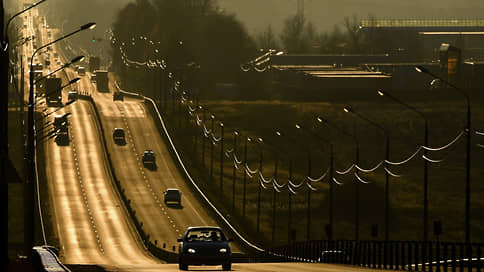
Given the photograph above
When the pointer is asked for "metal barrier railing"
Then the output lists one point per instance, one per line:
(397, 255)
(45, 259)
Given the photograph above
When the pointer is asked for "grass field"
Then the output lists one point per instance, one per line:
(446, 117)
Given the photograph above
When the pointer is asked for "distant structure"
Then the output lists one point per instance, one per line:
(421, 39)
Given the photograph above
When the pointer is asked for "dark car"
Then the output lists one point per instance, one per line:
(72, 95)
(204, 246)
(172, 195)
(119, 136)
(148, 158)
(117, 95)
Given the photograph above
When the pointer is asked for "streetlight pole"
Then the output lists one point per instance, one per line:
(331, 176)
(203, 138)
(426, 136)
(29, 186)
(289, 204)
(4, 66)
(348, 109)
(422, 69)
(234, 173)
(289, 195)
(259, 189)
(221, 161)
(245, 179)
(212, 117)
(357, 184)
(274, 200)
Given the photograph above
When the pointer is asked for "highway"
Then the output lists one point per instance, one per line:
(91, 221)
(145, 187)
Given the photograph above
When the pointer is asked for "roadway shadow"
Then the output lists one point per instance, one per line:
(151, 167)
(174, 206)
(62, 141)
(209, 268)
(120, 142)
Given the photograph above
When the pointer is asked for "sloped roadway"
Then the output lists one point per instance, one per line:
(91, 222)
(145, 186)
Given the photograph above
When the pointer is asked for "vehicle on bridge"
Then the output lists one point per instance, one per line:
(117, 95)
(61, 127)
(81, 71)
(204, 246)
(93, 77)
(94, 64)
(72, 95)
(119, 136)
(148, 158)
(172, 196)
(60, 120)
(53, 91)
(102, 81)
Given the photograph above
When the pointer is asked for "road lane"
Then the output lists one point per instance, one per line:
(145, 187)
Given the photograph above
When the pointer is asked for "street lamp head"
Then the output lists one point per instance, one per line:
(381, 92)
(88, 26)
(421, 69)
(77, 59)
(260, 139)
(278, 133)
(212, 116)
(321, 119)
(348, 109)
(236, 132)
(298, 126)
(221, 124)
(75, 80)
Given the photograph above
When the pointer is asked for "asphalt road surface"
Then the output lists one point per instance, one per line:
(145, 187)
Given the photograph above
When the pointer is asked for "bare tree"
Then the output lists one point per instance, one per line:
(352, 27)
(292, 36)
(267, 39)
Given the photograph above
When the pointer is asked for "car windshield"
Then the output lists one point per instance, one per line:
(172, 192)
(205, 235)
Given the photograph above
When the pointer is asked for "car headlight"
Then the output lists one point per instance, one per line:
(223, 250)
(191, 250)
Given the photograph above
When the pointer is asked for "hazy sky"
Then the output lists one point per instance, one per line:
(256, 14)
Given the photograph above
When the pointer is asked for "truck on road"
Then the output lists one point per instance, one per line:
(102, 81)
(53, 91)
(94, 64)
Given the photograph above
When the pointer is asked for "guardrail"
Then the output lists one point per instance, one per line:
(45, 259)
(397, 255)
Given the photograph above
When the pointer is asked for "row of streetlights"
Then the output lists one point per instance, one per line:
(4, 73)
(386, 164)
(359, 115)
